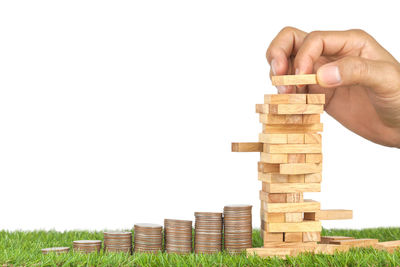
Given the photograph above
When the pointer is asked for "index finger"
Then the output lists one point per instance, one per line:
(284, 45)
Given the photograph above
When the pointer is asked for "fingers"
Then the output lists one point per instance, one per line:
(379, 76)
(329, 43)
(285, 44)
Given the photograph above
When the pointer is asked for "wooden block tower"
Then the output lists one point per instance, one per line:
(290, 164)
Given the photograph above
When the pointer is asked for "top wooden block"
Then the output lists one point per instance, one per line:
(294, 79)
(294, 99)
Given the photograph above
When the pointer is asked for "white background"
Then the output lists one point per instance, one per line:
(117, 112)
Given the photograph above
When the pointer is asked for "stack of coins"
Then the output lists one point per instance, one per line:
(237, 228)
(118, 241)
(208, 232)
(87, 246)
(178, 236)
(148, 237)
(57, 250)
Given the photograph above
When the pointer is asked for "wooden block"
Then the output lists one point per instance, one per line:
(292, 187)
(273, 177)
(328, 239)
(315, 98)
(313, 177)
(312, 138)
(355, 243)
(247, 147)
(294, 198)
(293, 237)
(302, 79)
(389, 246)
(275, 158)
(292, 207)
(291, 245)
(273, 138)
(271, 252)
(295, 138)
(329, 215)
(262, 108)
(281, 119)
(306, 226)
(295, 109)
(299, 168)
(271, 237)
(294, 217)
(288, 128)
(294, 158)
(330, 249)
(285, 99)
(311, 118)
(292, 148)
(311, 236)
(272, 197)
(271, 217)
(268, 167)
(295, 178)
(311, 158)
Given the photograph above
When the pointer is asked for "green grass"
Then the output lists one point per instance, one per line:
(21, 248)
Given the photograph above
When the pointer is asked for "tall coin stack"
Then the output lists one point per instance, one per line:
(208, 232)
(178, 236)
(237, 228)
(148, 237)
(118, 242)
(87, 246)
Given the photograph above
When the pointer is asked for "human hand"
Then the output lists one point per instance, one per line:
(360, 79)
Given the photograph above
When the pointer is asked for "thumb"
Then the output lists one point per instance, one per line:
(377, 75)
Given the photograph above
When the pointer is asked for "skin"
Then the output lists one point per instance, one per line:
(360, 79)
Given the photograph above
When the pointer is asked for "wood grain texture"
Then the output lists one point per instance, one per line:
(302, 79)
(329, 215)
(272, 197)
(310, 118)
(295, 109)
(271, 217)
(273, 138)
(296, 138)
(292, 148)
(285, 99)
(293, 187)
(293, 237)
(312, 158)
(294, 158)
(312, 138)
(306, 226)
(313, 177)
(247, 147)
(315, 98)
(292, 207)
(299, 168)
(288, 129)
(273, 177)
(311, 236)
(328, 239)
(271, 237)
(275, 158)
(363, 242)
(389, 246)
(281, 119)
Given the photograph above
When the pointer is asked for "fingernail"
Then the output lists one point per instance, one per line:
(281, 89)
(329, 75)
(274, 66)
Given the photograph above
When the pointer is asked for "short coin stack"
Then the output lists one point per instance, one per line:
(178, 236)
(57, 250)
(208, 232)
(148, 237)
(87, 246)
(237, 228)
(118, 242)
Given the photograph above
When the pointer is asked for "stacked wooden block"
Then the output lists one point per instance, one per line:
(290, 164)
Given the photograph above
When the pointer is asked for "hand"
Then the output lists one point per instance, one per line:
(361, 80)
